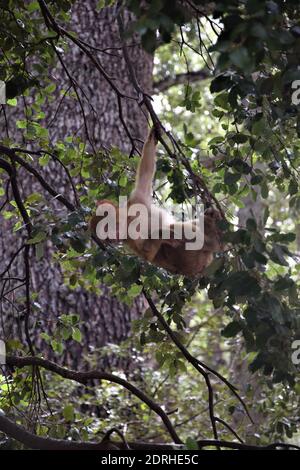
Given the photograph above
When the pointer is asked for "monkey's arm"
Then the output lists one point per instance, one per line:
(146, 168)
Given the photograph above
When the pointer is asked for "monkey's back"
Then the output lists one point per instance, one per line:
(190, 263)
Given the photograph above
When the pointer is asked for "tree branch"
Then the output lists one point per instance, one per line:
(11, 171)
(32, 441)
(12, 154)
(202, 368)
(84, 377)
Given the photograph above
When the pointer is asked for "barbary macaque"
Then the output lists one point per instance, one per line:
(152, 232)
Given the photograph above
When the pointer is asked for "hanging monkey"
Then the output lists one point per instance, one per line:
(165, 244)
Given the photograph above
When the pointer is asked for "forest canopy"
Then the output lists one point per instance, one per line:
(101, 346)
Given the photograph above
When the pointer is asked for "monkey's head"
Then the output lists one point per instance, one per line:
(108, 221)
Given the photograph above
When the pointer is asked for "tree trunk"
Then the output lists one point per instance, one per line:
(105, 320)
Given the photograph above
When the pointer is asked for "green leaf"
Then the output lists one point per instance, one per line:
(258, 30)
(213, 267)
(277, 255)
(68, 413)
(39, 237)
(33, 6)
(241, 283)
(50, 88)
(143, 339)
(293, 187)
(46, 337)
(240, 165)
(283, 283)
(251, 225)
(239, 138)
(222, 101)
(65, 332)
(241, 59)
(256, 179)
(222, 82)
(191, 444)
(231, 178)
(259, 257)
(78, 244)
(76, 335)
(34, 197)
(259, 127)
(134, 290)
(272, 306)
(44, 160)
(39, 251)
(12, 102)
(264, 190)
(21, 124)
(123, 181)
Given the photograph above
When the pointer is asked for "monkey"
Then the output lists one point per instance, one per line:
(160, 246)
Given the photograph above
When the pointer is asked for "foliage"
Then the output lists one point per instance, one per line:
(240, 130)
